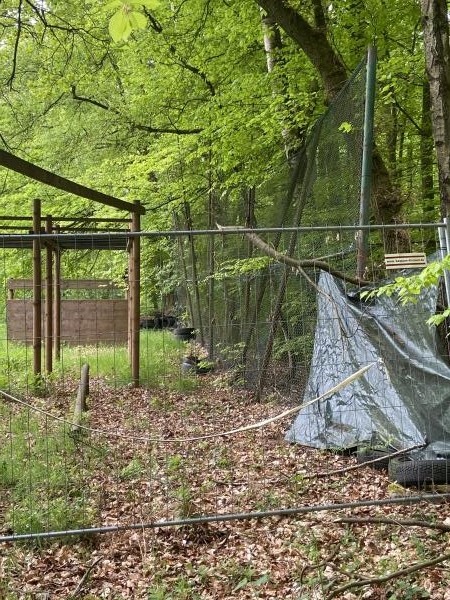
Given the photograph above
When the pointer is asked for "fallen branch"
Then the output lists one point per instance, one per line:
(385, 520)
(206, 436)
(85, 578)
(361, 465)
(303, 263)
(383, 578)
(324, 563)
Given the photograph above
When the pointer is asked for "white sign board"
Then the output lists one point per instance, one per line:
(406, 260)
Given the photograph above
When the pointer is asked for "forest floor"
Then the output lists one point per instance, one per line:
(125, 477)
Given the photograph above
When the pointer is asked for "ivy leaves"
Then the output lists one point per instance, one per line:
(128, 17)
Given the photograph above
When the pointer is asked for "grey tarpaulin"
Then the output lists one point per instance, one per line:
(404, 399)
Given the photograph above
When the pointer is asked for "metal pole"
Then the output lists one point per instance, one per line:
(444, 243)
(57, 302)
(366, 167)
(223, 518)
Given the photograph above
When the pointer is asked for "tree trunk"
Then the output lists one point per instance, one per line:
(437, 60)
(273, 46)
(313, 42)
(426, 158)
(387, 199)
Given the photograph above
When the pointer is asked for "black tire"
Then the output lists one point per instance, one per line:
(417, 473)
(367, 454)
(184, 334)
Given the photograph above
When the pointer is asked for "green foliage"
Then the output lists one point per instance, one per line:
(127, 19)
(132, 470)
(345, 127)
(161, 356)
(408, 289)
(242, 266)
(43, 472)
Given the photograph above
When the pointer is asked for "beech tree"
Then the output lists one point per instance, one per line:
(437, 53)
(184, 105)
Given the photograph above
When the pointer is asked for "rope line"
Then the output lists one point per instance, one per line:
(258, 425)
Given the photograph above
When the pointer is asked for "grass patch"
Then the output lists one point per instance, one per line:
(160, 363)
(43, 474)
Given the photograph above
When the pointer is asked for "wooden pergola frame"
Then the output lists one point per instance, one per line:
(53, 245)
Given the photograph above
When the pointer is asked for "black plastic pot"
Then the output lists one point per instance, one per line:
(184, 334)
(192, 364)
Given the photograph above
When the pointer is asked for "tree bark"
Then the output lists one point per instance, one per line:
(426, 158)
(273, 47)
(437, 60)
(387, 199)
(314, 43)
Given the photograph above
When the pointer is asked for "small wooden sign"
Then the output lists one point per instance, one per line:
(406, 260)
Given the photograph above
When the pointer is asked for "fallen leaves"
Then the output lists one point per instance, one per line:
(127, 481)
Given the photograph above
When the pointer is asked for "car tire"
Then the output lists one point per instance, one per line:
(417, 473)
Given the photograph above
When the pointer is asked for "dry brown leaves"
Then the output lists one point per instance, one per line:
(132, 482)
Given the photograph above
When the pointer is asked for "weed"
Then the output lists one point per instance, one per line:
(180, 589)
(133, 470)
(174, 463)
(405, 590)
(245, 576)
(43, 473)
(186, 506)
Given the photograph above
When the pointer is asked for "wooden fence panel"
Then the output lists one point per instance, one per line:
(82, 321)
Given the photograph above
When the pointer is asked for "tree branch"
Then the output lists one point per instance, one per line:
(149, 129)
(9, 83)
(156, 26)
(298, 264)
(361, 465)
(154, 23)
(313, 41)
(385, 520)
(319, 15)
(337, 592)
(195, 70)
(75, 96)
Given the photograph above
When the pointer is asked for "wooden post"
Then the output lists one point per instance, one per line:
(195, 284)
(37, 290)
(135, 300)
(49, 299)
(57, 302)
(130, 294)
(80, 402)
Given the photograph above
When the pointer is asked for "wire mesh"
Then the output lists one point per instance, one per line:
(134, 459)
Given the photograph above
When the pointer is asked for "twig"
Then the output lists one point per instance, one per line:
(85, 577)
(361, 465)
(324, 563)
(383, 578)
(403, 522)
(16, 46)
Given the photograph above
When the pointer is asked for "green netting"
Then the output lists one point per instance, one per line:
(260, 317)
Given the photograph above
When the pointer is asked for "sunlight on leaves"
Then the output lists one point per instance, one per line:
(126, 19)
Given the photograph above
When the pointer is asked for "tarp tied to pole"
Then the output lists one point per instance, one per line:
(403, 400)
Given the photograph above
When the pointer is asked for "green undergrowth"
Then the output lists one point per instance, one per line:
(43, 474)
(160, 360)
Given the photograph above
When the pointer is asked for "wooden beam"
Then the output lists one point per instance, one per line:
(37, 291)
(49, 300)
(135, 299)
(14, 163)
(57, 304)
